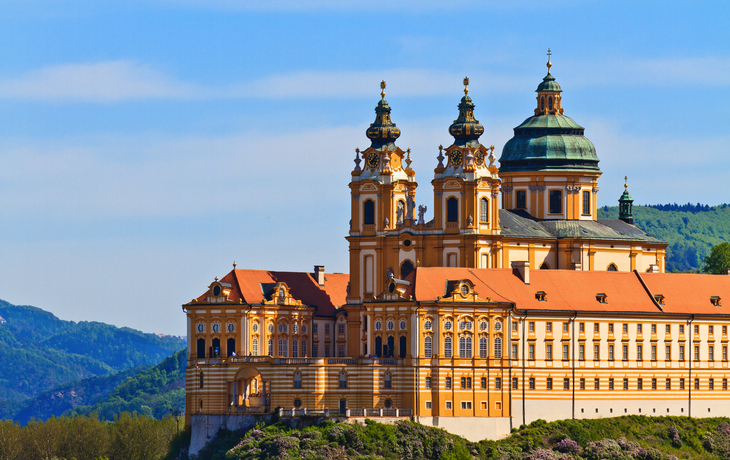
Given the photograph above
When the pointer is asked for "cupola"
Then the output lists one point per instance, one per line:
(466, 129)
(548, 93)
(382, 132)
(625, 205)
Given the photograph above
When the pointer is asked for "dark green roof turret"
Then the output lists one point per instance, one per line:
(625, 205)
(549, 84)
(466, 129)
(382, 132)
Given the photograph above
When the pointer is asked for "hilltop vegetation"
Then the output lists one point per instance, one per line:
(40, 352)
(691, 230)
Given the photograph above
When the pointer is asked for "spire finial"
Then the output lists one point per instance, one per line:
(234, 264)
(626, 182)
(549, 64)
(466, 86)
(382, 89)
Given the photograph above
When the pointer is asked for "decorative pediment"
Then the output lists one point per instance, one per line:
(368, 188)
(279, 294)
(452, 184)
(218, 292)
(394, 290)
(462, 291)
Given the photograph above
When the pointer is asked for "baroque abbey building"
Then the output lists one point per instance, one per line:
(515, 302)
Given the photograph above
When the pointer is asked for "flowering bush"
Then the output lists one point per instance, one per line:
(567, 446)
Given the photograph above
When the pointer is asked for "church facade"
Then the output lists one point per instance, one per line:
(513, 303)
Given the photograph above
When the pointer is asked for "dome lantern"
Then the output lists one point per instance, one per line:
(548, 93)
(625, 205)
(382, 132)
(466, 129)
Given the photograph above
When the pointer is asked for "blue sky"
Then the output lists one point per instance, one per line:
(146, 145)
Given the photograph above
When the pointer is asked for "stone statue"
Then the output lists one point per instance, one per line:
(387, 223)
(411, 207)
(390, 274)
(400, 213)
(470, 220)
(421, 212)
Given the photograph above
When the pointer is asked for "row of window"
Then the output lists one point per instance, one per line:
(466, 383)
(555, 201)
(625, 328)
(465, 347)
(465, 405)
(624, 352)
(452, 211)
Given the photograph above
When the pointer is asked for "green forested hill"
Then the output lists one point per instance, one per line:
(39, 352)
(690, 230)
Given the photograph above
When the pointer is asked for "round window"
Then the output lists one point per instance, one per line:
(498, 326)
(447, 325)
(464, 289)
(402, 325)
(201, 327)
(388, 403)
(483, 326)
(407, 243)
(378, 325)
(271, 328)
(216, 327)
(297, 403)
(255, 327)
(304, 328)
(391, 325)
(391, 288)
(231, 327)
(427, 325)
(216, 290)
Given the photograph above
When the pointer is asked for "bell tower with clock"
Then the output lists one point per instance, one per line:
(466, 187)
(383, 193)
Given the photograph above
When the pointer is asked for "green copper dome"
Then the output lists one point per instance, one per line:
(382, 131)
(549, 84)
(466, 129)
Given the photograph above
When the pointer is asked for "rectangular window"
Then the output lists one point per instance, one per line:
(582, 327)
(711, 330)
(610, 328)
(531, 351)
(668, 329)
(681, 352)
(340, 328)
(596, 384)
(532, 383)
(566, 384)
(625, 328)
(340, 352)
(668, 384)
(566, 352)
(596, 328)
(448, 405)
(625, 352)
(582, 352)
(681, 328)
(514, 326)
(610, 352)
(638, 328)
(497, 383)
(326, 351)
(549, 383)
(653, 328)
(483, 382)
(315, 351)
(626, 384)
(531, 326)
(653, 384)
(314, 328)
(596, 352)
(549, 326)
(548, 352)
(468, 383)
(586, 202)
(565, 327)
(697, 384)
(448, 382)
(697, 352)
(326, 328)
(711, 353)
(463, 383)
(697, 329)
(724, 384)
(639, 353)
(639, 384)
(556, 202)
(668, 353)
(428, 404)
(724, 330)
(724, 352)
(521, 199)
(582, 384)
(428, 382)
(653, 352)
(515, 353)
(681, 384)
(515, 383)
(610, 384)
(466, 405)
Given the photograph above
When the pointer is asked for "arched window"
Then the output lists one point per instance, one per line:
(271, 347)
(378, 346)
(484, 210)
(294, 349)
(468, 347)
(201, 380)
(368, 211)
(283, 347)
(297, 379)
(447, 347)
(482, 347)
(271, 328)
(497, 347)
(230, 346)
(386, 380)
(304, 348)
(427, 350)
(343, 379)
(612, 268)
(542, 103)
(405, 269)
(550, 103)
(255, 347)
(452, 210)
(216, 348)
(402, 346)
(201, 348)
(391, 346)
(462, 347)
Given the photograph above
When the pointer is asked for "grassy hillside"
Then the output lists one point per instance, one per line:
(620, 438)
(690, 230)
(41, 352)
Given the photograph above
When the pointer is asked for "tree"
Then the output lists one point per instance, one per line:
(719, 259)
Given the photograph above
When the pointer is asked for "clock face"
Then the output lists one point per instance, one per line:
(479, 158)
(456, 158)
(373, 160)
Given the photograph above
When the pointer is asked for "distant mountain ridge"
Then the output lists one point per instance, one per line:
(40, 352)
(690, 230)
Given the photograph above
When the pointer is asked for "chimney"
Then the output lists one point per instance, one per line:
(522, 271)
(653, 268)
(319, 274)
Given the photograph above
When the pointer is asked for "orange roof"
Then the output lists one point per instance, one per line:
(690, 293)
(248, 286)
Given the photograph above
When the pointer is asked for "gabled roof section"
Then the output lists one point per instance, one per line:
(255, 286)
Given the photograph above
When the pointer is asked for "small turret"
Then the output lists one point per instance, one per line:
(382, 132)
(625, 205)
(466, 129)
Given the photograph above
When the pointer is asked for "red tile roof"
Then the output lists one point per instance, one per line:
(246, 285)
(689, 292)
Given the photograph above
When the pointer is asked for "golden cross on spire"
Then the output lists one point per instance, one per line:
(382, 89)
(466, 86)
(549, 64)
